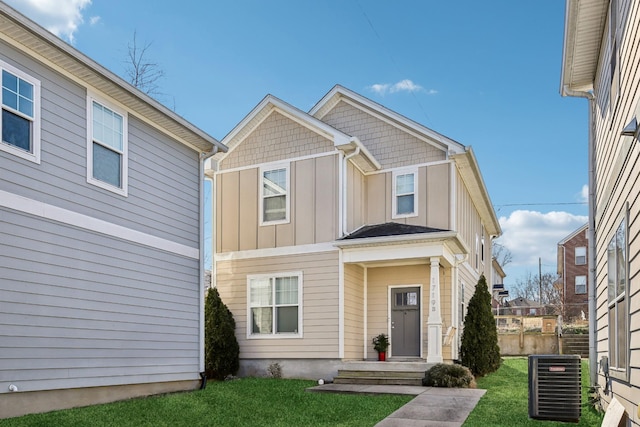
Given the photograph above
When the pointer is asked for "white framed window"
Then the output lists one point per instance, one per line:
(580, 285)
(274, 194)
(581, 255)
(405, 191)
(107, 146)
(617, 285)
(275, 305)
(20, 119)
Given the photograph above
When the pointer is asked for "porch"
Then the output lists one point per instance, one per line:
(398, 372)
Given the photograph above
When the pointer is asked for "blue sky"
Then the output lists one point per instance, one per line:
(483, 73)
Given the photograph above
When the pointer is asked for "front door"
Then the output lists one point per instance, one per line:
(405, 322)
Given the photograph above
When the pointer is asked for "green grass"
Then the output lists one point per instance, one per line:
(244, 402)
(506, 401)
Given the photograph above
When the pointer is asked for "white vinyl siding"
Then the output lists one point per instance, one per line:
(107, 158)
(20, 119)
(405, 191)
(275, 305)
(274, 195)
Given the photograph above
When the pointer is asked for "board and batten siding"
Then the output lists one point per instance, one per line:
(354, 303)
(81, 309)
(469, 226)
(319, 307)
(391, 145)
(313, 199)
(433, 198)
(616, 163)
(163, 197)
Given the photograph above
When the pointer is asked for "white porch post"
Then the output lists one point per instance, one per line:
(434, 321)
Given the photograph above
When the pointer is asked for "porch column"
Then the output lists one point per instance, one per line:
(434, 321)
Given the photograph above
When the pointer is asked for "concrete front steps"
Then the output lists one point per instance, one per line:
(382, 373)
(576, 344)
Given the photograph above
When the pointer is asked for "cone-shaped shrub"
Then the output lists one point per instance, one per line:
(221, 350)
(479, 350)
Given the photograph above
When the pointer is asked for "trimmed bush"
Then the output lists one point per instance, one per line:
(479, 350)
(445, 375)
(221, 350)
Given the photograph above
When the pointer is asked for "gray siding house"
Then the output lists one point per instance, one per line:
(101, 289)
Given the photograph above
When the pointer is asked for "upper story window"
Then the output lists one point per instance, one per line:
(274, 200)
(405, 190)
(107, 157)
(581, 285)
(581, 255)
(20, 120)
(617, 284)
(275, 303)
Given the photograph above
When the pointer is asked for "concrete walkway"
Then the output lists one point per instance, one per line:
(443, 407)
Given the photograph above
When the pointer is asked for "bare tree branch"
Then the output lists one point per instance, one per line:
(142, 72)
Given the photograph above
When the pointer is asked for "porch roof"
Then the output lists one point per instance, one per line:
(389, 229)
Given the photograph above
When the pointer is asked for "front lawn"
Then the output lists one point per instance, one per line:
(505, 404)
(244, 402)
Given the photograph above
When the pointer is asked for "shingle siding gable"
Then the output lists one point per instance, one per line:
(391, 146)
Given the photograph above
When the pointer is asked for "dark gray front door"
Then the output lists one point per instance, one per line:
(405, 322)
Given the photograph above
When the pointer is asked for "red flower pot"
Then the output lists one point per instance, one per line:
(382, 356)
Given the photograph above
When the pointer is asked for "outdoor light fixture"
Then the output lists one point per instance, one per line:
(631, 129)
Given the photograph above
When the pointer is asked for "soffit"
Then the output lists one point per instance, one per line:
(584, 25)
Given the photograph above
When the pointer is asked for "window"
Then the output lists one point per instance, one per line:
(404, 194)
(617, 301)
(20, 119)
(274, 305)
(274, 195)
(581, 285)
(581, 255)
(107, 158)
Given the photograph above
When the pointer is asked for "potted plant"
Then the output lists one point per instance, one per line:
(380, 344)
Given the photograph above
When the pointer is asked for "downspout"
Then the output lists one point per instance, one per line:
(344, 189)
(455, 353)
(203, 157)
(593, 333)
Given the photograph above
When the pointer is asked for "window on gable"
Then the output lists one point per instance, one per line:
(404, 194)
(274, 195)
(107, 147)
(581, 285)
(275, 305)
(20, 119)
(617, 284)
(581, 255)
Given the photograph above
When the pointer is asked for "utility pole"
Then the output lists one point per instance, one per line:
(540, 279)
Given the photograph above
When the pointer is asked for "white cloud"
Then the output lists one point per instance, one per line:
(584, 194)
(530, 235)
(94, 20)
(405, 85)
(61, 17)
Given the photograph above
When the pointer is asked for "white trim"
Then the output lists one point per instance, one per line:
(123, 190)
(273, 167)
(341, 322)
(67, 217)
(34, 154)
(273, 252)
(365, 316)
(394, 191)
(390, 303)
(260, 165)
(275, 335)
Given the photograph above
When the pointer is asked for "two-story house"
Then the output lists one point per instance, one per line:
(101, 238)
(573, 269)
(342, 223)
(601, 63)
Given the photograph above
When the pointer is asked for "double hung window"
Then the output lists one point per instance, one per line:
(274, 200)
(581, 285)
(404, 193)
(581, 255)
(107, 147)
(617, 283)
(20, 119)
(275, 305)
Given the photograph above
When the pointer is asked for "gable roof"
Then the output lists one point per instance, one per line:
(582, 229)
(25, 35)
(584, 24)
(270, 104)
(339, 93)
